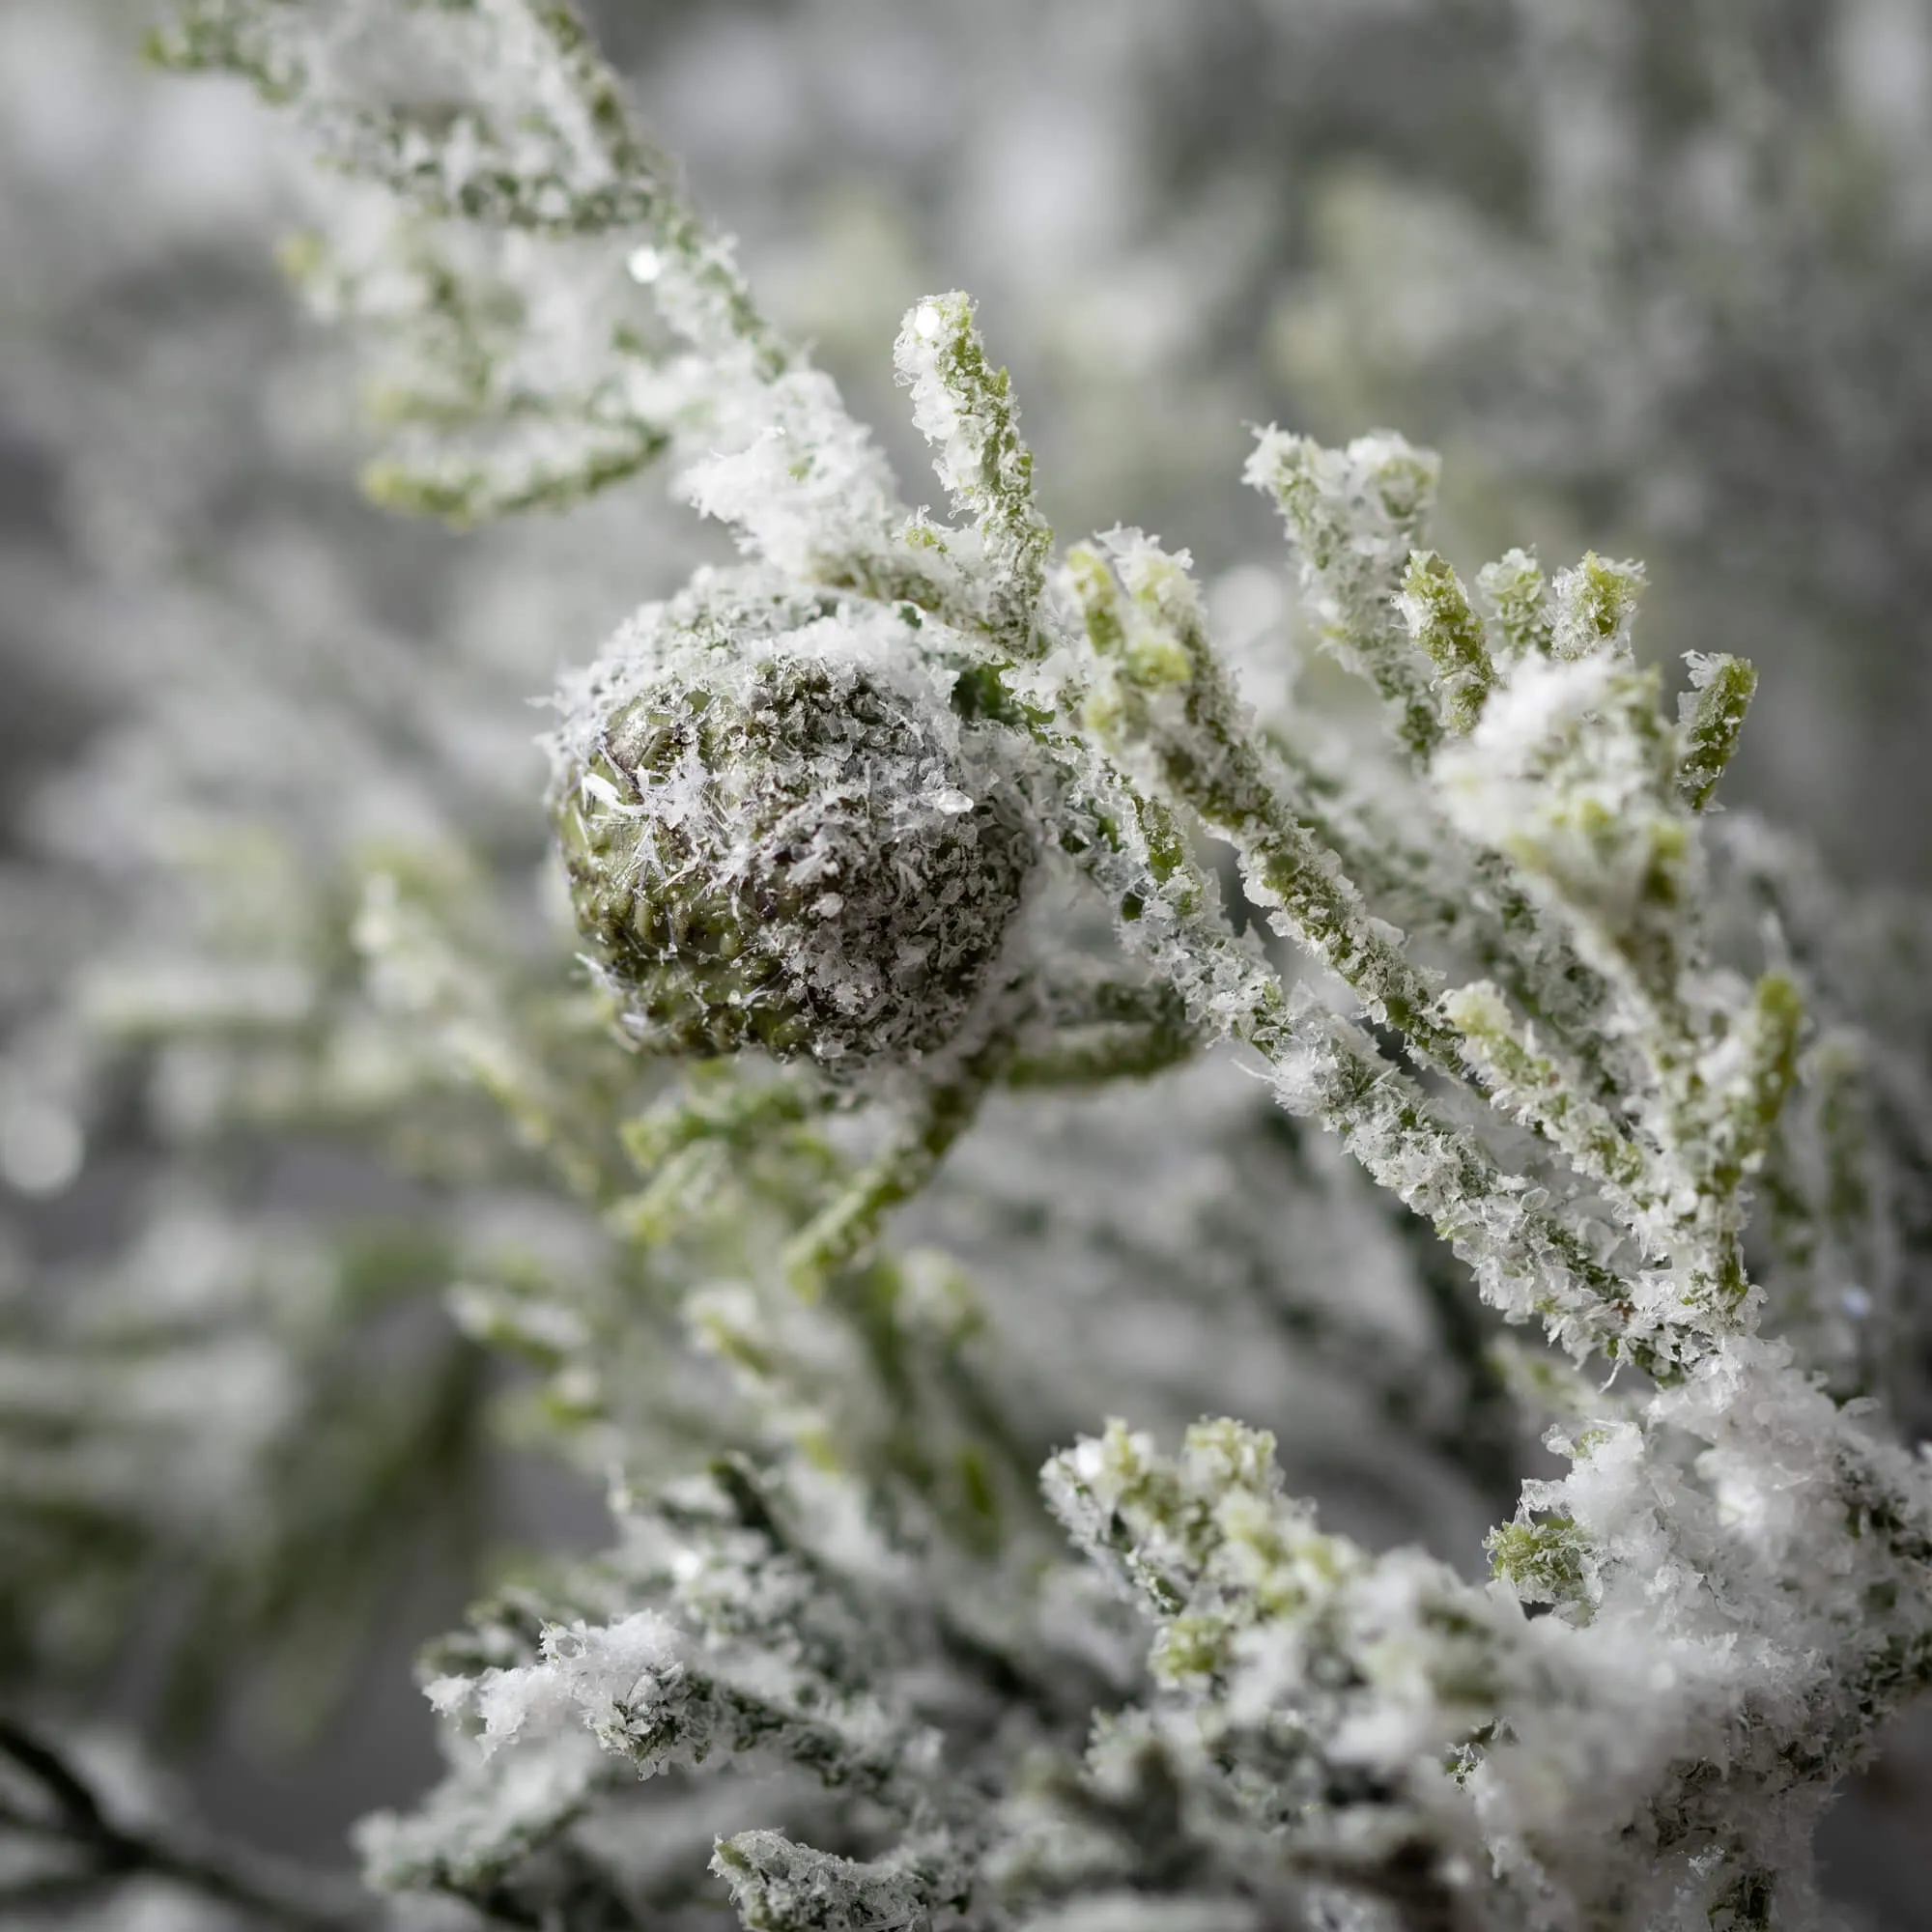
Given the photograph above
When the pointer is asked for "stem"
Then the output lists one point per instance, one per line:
(843, 1230)
(118, 1852)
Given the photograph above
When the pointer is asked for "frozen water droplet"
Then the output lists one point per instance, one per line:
(645, 265)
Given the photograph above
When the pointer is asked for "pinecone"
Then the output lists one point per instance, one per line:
(779, 832)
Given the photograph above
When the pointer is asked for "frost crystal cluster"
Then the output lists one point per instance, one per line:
(984, 956)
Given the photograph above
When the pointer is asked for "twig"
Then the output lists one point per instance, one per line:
(117, 1852)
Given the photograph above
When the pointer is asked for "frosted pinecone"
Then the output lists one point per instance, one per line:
(780, 830)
